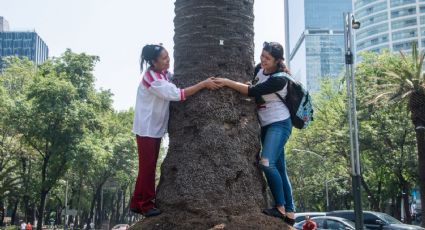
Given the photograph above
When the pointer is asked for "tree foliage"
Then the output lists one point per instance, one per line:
(386, 139)
(55, 126)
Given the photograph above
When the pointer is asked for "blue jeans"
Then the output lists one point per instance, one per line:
(272, 162)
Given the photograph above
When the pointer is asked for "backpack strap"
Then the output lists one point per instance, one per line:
(288, 78)
(281, 98)
(256, 70)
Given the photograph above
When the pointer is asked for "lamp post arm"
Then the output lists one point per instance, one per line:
(311, 152)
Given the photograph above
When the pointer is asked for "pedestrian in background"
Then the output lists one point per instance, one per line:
(23, 225)
(309, 224)
(28, 226)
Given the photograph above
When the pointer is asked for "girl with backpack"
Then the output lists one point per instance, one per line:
(151, 114)
(276, 126)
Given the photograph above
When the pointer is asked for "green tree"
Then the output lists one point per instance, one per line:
(15, 156)
(386, 146)
(108, 153)
(391, 78)
(55, 114)
(320, 154)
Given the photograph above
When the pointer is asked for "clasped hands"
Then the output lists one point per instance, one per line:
(214, 83)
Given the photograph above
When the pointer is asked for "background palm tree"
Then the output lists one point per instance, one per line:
(407, 84)
(210, 177)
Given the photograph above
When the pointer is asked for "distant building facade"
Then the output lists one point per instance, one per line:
(389, 24)
(22, 44)
(315, 39)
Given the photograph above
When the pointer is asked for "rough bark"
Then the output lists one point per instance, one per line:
(40, 215)
(210, 175)
(13, 219)
(417, 109)
(43, 193)
(420, 138)
(90, 216)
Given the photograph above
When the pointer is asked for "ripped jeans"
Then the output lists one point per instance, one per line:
(272, 162)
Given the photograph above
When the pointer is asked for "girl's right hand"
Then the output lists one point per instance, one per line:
(210, 84)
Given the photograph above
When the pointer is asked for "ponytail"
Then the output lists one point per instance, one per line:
(149, 54)
(282, 67)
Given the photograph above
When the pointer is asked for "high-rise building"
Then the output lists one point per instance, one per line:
(315, 39)
(22, 44)
(389, 24)
(4, 25)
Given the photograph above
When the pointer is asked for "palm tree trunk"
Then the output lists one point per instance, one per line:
(210, 175)
(420, 139)
(417, 109)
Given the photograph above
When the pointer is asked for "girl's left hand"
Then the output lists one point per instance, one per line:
(220, 81)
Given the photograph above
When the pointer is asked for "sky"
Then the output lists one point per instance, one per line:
(116, 31)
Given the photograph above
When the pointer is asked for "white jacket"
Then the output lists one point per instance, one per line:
(154, 94)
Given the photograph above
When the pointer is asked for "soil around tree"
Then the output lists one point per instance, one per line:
(181, 220)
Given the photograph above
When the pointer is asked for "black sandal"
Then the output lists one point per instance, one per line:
(289, 221)
(274, 212)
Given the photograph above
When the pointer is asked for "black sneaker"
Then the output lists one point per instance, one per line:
(152, 212)
(135, 210)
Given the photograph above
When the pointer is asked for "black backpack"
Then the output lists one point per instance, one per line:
(298, 100)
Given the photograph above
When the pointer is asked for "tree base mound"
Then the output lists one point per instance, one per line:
(184, 220)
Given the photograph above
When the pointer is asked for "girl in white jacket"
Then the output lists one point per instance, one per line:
(151, 114)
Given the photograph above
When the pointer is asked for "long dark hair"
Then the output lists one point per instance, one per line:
(276, 50)
(149, 54)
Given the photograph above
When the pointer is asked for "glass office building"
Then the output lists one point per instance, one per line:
(23, 44)
(389, 24)
(315, 39)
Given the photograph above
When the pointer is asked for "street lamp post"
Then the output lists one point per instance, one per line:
(311, 152)
(66, 205)
(349, 25)
(327, 195)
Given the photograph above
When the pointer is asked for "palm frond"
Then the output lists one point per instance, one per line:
(395, 96)
(420, 62)
(386, 87)
(403, 58)
(414, 55)
(410, 84)
(400, 80)
(407, 94)
(377, 98)
(394, 74)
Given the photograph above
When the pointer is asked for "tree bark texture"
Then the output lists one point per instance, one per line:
(417, 109)
(210, 176)
(420, 138)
